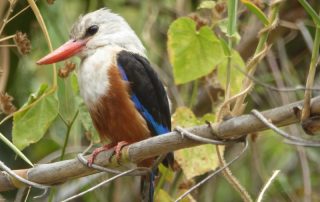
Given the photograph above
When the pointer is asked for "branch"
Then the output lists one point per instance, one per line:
(232, 129)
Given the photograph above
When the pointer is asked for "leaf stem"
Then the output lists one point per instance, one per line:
(8, 45)
(312, 71)
(40, 20)
(15, 149)
(258, 55)
(7, 38)
(68, 135)
(310, 11)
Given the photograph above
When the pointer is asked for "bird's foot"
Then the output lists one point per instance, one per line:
(96, 152)
(118, 148)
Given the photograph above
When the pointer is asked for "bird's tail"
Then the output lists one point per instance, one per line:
(147, 187)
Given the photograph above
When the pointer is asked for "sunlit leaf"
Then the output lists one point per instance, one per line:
(193, 53)
(207, 4)
(184, 117)
(256, 11)
(167, 173)
(31, 124)
(162, 196)
(198, 160)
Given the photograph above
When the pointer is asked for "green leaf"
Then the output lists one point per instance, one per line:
(31, 124)
(162, 196)
(34, 96)
(256, 11)
(236, 76)
(193, 53)
(184, 117)
(207, 5)
(66, 96)
(196, 160)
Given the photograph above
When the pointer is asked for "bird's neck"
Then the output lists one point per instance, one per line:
(93, 73)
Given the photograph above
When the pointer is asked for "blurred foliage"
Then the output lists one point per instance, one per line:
(204, 27)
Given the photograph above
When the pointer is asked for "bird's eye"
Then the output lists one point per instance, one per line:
(92, 30)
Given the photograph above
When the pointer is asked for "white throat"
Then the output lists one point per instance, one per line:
(93, 73)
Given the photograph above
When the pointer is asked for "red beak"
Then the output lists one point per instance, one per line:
(67, 50)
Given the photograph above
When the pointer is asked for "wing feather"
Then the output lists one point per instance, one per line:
(147, 91)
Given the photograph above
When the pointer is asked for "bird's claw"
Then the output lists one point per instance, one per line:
(118, 148)
(96, 152)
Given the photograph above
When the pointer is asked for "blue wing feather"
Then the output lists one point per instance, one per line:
(158, 127)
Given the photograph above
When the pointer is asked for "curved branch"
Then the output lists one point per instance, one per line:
(235, 128)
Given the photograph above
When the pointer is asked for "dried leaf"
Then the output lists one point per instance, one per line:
(65, 71)
(6, 105)
(22, 42)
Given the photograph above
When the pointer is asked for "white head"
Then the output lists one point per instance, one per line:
(93, 30)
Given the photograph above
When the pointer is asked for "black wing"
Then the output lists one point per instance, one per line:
(148, 92)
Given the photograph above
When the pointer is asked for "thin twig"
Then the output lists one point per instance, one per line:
(8, 45)
(273, 88)
(9, 11)
(232, 179)
(100, 184)
(18, 13)
(274, 175)
(292, 139)
(7, 38)
(69, 125)
(108, 170)
(192, 136)
(213, 174)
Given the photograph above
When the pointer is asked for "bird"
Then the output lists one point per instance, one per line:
(124, 95)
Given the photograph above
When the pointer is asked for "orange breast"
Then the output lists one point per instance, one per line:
(115, 116)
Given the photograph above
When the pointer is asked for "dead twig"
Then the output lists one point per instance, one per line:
(274, 175)
(197, 138)
(292, 139)
(101, 184)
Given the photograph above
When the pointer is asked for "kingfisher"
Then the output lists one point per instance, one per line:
(124, 95)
